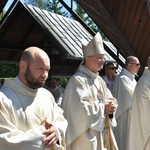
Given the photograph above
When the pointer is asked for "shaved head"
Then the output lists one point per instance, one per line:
(130, 59)
(34, 67)
(32, 53)
(132, 64)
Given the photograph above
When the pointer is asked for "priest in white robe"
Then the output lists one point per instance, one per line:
(139, 128)
(123, 91)
(29, 117)
(87, 102)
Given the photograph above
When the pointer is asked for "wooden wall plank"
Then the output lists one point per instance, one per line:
(132, 14)
(125, 15)
(120, 12)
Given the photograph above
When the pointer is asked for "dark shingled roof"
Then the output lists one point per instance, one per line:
(59, 36)
(126, 23)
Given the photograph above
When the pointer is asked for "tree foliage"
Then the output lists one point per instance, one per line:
(90, 23)
(8, 70)
(50, 5)
(63, 81)
(2, 14)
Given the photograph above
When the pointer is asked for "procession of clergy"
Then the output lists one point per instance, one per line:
(90, 116)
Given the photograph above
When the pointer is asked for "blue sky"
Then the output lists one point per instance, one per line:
(11, 1)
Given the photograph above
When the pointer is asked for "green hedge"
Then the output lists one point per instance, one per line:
(8, 70)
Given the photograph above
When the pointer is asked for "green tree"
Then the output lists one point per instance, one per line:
(55, 7)
(38, 3)
(8, 70)
(84, 16)
(63, 81)
(50, 5)
(2, 14)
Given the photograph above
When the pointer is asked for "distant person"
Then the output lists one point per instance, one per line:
(60, 85)
(139, 129)
(56, 89)
(29, 116)
(123, 91)
(87, 103)
(110, 75)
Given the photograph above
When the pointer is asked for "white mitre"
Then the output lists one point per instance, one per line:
(95, 46)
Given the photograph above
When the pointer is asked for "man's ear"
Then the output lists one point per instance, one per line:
(88, 59)
(22, 66)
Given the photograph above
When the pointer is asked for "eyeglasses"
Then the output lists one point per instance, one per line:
(137, 64)
(99, 58)
(113, 68)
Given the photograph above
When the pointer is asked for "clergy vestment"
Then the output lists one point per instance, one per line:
(123, 91)
(84, 110)
(21, 112)
(139, 129)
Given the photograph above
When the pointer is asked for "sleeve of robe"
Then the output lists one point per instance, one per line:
(139, 131)
(109, 97)
(80, 106)
(123, 92)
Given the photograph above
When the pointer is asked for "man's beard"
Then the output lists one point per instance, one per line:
(31, 80)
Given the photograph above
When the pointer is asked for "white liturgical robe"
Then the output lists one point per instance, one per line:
(21, 112)
(123, 91)
(84, 111)
(139, 129)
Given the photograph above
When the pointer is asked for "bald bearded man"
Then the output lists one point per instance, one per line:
(29, 116)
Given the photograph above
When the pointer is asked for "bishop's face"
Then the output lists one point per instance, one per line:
(95, 62)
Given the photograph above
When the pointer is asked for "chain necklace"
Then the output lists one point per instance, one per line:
(101, 95)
